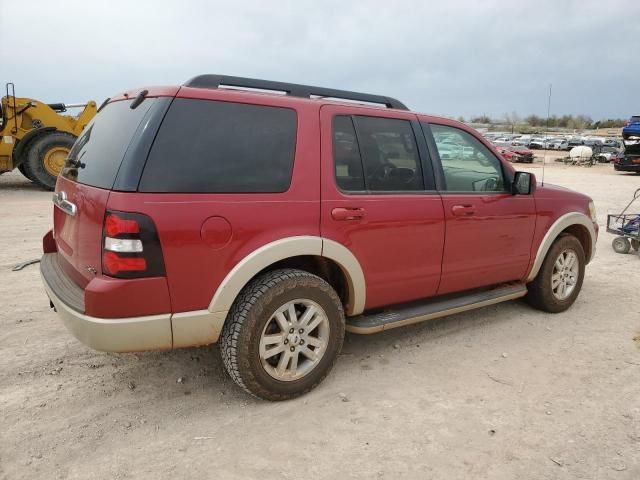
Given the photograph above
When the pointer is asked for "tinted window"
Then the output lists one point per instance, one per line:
(385, 147)
(97, 154)
(217, 147)
(468, 165)
(347, 161)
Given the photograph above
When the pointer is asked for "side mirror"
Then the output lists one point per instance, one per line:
(524, 183)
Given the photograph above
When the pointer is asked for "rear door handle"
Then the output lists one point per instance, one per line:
(347, 213)
(463, 210)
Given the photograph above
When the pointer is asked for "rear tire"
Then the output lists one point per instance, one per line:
(621, 245)
(45, 157)
(635, 244)
(559, 280)
(261, 322)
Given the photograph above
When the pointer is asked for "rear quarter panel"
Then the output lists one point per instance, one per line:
(195, 267)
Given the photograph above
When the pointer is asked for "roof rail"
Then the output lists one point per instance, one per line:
(293, 89)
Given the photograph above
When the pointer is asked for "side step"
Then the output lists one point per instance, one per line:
(414, 312)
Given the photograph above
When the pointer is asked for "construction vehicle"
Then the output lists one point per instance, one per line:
(36, 138)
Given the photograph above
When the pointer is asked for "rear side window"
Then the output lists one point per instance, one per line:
(96, 156)
(222, 147)
(376, 154)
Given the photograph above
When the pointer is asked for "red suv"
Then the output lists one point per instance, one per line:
(274, 218)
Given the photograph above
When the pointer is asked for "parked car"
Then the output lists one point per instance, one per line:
(593, 142)
(538, 143)
(521, 141)
(605, 154)
(516, 154)
(632, 127)
(272, 223)
(558, 144)
(627, 163)
(612, 142)
(575, 142)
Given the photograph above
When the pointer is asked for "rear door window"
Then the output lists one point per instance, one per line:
(97, 154)
(376, 154)
(206, 146)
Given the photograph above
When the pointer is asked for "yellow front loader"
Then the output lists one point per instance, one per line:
(36, 138)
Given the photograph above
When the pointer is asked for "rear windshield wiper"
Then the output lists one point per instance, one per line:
(76, 163)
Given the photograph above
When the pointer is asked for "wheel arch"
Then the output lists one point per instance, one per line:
(326, 258)
(577, 224)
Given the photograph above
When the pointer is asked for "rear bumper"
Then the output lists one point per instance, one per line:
(627, 167)
(132, 334)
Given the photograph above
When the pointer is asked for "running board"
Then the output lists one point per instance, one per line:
(415, 312)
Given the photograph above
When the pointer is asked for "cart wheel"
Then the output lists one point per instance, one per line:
(635, 244)
(621, 245)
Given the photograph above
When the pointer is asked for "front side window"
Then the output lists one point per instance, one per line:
(206, 146)
(468, 165)
(376, 154)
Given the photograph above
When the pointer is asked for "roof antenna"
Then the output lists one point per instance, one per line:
(546, 135)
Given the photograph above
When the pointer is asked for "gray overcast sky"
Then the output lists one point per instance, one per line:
(448, 57)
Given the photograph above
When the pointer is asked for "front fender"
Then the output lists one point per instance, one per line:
(561, 224)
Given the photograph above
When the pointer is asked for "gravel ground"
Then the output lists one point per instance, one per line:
(503, 392)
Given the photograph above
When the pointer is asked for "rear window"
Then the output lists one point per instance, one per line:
(97, 154)
(208, 146)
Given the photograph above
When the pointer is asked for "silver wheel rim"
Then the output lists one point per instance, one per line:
(565, 274)
(294, 340)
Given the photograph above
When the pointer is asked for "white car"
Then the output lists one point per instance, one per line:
(558, 144)
(521, 141)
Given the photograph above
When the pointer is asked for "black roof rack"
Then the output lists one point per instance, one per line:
(293, 89)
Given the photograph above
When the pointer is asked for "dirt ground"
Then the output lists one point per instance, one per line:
(504, 392)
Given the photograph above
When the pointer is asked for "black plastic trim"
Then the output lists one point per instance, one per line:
(425, 157)
(135, 158)
(295, 90)
(152, 249)
(58, 281)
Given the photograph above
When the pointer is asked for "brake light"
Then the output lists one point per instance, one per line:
(115, 225)
(130, 246)
(113, 262)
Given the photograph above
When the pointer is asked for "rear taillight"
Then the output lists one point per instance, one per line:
(130, 246)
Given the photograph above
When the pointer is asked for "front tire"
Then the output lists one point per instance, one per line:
(283, 334)
(559, 280)
(45, 158)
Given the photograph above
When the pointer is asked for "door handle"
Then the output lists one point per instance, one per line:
(347, 213)
(463, 210)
